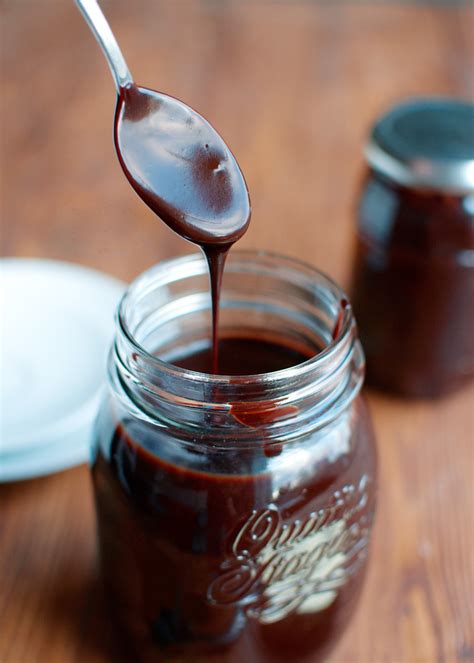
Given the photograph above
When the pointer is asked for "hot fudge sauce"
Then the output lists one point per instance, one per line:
(243, 356)
(234, 510)
(413, 283)
(235, 496)
(235, 562)
(182, 169)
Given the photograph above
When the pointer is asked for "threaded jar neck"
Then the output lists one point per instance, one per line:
(264, 295)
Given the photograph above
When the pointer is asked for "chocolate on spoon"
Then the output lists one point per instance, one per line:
(176, 162)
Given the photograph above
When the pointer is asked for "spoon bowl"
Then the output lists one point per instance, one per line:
(180, 167)
(173, 158)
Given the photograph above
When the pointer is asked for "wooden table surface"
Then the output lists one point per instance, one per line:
(293, 87)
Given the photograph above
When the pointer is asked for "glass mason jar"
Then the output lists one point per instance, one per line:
(413, 282)
(234, 512)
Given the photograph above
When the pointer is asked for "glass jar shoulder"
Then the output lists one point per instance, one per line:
(147, 458)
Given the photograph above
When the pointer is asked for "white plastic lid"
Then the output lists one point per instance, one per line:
(56, 326)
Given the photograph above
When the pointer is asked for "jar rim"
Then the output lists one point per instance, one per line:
(275, 377)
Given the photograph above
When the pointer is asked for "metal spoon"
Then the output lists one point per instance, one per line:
(176, 162)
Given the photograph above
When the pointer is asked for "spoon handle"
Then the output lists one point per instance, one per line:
(97, 22)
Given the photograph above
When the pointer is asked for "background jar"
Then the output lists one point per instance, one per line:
(234, 512)
(413, 281)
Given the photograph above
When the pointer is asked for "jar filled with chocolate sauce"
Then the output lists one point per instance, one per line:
(413, 285)
(234, 510)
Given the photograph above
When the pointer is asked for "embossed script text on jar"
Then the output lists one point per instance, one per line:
(277, 568)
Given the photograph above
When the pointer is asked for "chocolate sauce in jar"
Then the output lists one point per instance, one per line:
(215, 557)
(234, 510)
(234, 502)
(243, 356)
(413, 280)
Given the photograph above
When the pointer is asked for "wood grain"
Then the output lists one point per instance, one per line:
(293, 88)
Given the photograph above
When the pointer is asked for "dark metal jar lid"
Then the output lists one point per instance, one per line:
(426, 143)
